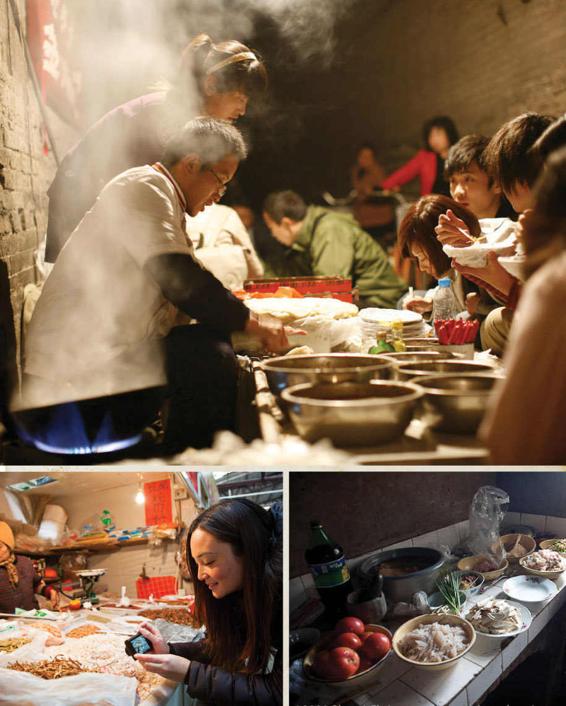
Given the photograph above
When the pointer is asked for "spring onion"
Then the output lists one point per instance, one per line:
(449, 587)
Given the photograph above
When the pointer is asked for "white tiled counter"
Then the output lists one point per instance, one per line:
(474, 674)
(400, 684)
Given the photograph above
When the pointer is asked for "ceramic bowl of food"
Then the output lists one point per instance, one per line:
(482, 565)
(359, 679)
(497, 618)
(556, 545)
(470, 582)
(449, 638)
(546, 563)
(517, 546)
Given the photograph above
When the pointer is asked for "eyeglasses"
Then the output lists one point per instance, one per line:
(221, 185)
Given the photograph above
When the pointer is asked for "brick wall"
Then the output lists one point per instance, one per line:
(480, 61)
(25, 172)
(397, 63)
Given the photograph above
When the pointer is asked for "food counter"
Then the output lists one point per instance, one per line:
(419, 444)
(83, 653)
(467, 682)
(478, 670)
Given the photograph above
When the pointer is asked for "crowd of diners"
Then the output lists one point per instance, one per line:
(120, 212)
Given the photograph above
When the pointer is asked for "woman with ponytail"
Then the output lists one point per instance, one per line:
(235, 561)
(214, 80)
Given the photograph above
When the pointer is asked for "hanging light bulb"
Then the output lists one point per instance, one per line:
(140, 497)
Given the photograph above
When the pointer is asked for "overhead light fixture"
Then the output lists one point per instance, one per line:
(140, 497)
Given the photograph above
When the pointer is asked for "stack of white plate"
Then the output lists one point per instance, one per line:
(374, 320)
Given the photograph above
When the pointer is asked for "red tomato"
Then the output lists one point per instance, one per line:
(347, 639)
(336, 664)
(354, 625)
(365, 663)
(375, 646)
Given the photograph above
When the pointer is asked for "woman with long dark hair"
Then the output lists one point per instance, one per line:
(439, 134)
(235, 562)
(214, 80)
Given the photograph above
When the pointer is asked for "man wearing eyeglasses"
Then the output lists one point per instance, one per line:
(105, 327)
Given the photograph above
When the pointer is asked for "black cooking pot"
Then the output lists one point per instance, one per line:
(401, 588)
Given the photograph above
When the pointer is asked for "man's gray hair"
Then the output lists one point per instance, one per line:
(209, 139)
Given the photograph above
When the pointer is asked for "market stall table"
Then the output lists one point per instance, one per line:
(99, 636)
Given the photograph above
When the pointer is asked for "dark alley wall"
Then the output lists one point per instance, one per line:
(535, 493)
(396, 63)
(366, 510)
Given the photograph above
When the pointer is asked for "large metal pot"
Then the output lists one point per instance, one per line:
(412, 371)
(457, 403)
(287, 371)
(401, 588)
(352, 414)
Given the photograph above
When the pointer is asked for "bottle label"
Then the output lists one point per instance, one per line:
(330, 574)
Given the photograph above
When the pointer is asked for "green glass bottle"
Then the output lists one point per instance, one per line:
(327, 564)
(381, 345)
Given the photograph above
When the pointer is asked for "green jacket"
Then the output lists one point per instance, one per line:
(333, 244)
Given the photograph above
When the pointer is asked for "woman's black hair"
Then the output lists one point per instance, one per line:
(544, 228)
(255, 536)
(443, 122)
(234, 66)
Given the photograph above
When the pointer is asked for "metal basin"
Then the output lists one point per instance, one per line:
(287, 371)
(414, 371)
(405, 357)
(402, 587)
(457, 403)
(352, 414)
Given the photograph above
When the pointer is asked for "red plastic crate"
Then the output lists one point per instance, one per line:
(157, 585)
(335, 287)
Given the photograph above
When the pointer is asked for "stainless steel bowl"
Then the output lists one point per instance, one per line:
(414, 371)
(405, 357)
(457, 403)
(421, 340)
(402, 588)
(352, 414)
(287, 371)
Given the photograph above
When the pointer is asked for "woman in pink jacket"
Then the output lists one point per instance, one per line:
(439, 134)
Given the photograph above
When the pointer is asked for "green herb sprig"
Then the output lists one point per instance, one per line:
(449, 587)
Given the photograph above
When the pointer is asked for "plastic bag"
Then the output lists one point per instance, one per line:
(488, 509)
(18, 688)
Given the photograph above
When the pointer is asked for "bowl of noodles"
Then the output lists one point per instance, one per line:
(434, 642)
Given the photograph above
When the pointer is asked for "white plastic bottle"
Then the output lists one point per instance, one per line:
(444, 304)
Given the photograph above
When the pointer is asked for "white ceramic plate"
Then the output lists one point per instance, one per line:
(375, 315)
(526, 616)
(529, 589)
